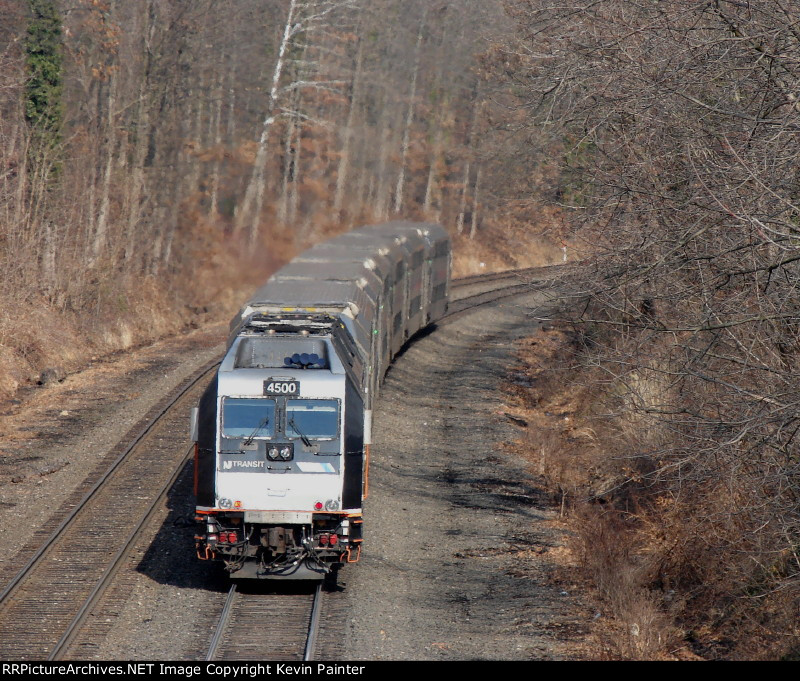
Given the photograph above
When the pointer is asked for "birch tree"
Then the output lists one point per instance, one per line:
(303, 18)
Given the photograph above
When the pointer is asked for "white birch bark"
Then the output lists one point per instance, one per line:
(249, 212)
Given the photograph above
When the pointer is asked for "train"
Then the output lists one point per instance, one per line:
(282, 433)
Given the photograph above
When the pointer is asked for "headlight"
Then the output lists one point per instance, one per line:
(280, 453)
(225, 503)
(332, 505)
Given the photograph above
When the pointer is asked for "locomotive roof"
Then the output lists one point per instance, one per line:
(380, 260)
(346, 275)
(270, 352)
(428, 230)
(310, 294)
(327, 270)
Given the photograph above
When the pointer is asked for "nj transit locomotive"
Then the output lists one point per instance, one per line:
(283, 431)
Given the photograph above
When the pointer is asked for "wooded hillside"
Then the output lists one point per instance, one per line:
(678, 124)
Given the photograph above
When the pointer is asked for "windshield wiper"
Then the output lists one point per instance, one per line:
(305, 440)
(261, 424)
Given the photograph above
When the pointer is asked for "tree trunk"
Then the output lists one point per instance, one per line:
(344, 160)
(465, 182)
(216, 136)
(249, 212)
(401, 178)
(475, 194)
(101, 228)
(133, 200)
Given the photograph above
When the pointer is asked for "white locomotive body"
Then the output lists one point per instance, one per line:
(282, 433)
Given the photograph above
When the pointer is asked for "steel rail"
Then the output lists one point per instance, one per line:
(504, 274)
(464, 306)
(70, 517)
(313, 625)
(478, 300)
(223, 620)
(114, 563)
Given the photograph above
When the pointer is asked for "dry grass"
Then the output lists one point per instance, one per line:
(503, 247)
(610, 552)
(32, 337)
(679, 575)
(97, 313)
(574, 455)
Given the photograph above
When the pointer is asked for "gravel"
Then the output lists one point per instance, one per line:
(54, 436)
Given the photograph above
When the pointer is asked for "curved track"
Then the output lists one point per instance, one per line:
(493, 288)
(294, 638)
(44, 605)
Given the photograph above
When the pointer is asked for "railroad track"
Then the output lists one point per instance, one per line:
(521, 274)
(512, 283)
(268, 626)
(459, 287)
(44, 606)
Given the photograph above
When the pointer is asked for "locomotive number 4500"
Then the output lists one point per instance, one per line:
(281, 387)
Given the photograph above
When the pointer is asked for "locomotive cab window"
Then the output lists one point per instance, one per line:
(248, 417)
(317, 419)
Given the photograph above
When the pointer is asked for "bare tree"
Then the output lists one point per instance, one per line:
(677, 128)
(302, 19)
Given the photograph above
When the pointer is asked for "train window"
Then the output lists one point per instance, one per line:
(248, 417)
(312, 418)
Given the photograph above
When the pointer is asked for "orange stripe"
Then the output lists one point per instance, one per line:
(366, 471)
(196, 466)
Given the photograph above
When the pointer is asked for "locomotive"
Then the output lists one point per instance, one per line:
(282, 433)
